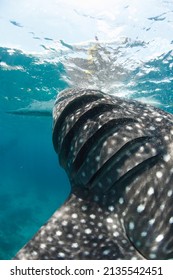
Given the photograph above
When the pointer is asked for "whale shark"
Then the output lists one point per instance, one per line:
(34, 113)
(35, 109)
(118, 155)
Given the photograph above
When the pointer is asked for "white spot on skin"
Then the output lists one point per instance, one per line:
(162, 206)
(151, 222)
(58, 233)
(150, 191)
(64, 223)
(42, 232)
(74, 216)
(129, 128)
(75, 245)
(141, 149)
(152, 128)
(169, 193)
(100, 224)
(138, 125)
(76, 227)
(100, 236)
(105, 143)
(116, 234)
(53, 249)
(92, 216)
(42, 246)
(113, 142)
(114, 226)
(153, 150)
(171, 220)
(159, 174)
(166, 158)
(121, 200)
(61, 254)
(49, 239)
(109, 151)
(131, 225)
(111, 208)
(166, 138)
(144, 233)
(96, 198)
(159, 237)
(88, 231)
(140, 208)
(84, 207)
(124, 241)
(34, 253)
(158, 119)
(109, 220)
(97, 158)
(152, 256)
(167, 180)
(138, 243)
(106, 252)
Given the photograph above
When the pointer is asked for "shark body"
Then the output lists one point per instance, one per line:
(118, 155)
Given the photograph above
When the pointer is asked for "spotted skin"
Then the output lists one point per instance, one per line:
(118, 155)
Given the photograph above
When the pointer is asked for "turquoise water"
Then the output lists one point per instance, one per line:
(31, 186)
(122, 48)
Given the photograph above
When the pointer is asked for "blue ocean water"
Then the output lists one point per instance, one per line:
(121, 48)
(32, 185)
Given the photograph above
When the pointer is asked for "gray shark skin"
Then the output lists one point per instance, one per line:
(31, 113)
(118, 155)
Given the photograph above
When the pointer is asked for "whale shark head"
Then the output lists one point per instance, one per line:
(118, 155)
